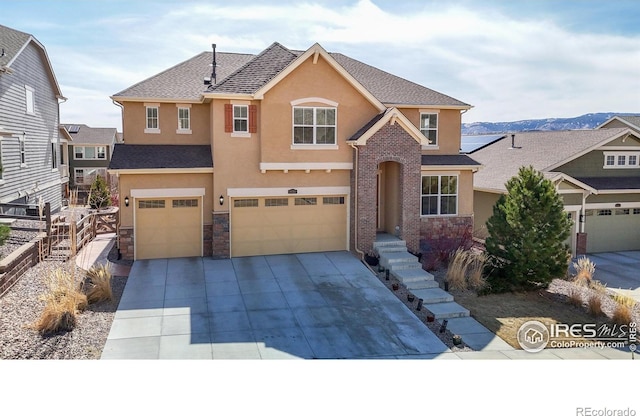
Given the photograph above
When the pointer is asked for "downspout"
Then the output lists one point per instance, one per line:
(355, 208)
(121, 116)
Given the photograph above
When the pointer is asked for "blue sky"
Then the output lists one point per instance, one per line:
(511, 60)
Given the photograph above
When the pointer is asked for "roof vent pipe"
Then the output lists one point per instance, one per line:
(513, 142)
(213, 78)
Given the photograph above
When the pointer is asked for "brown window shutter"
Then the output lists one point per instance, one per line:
(228, 118)
(253, 119)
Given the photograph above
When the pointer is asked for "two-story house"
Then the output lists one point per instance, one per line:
(89, 154)
(596, 172)
(29, 122)
(287, 151)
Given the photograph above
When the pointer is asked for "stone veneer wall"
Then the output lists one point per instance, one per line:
(445, 233)
(390, 144)
(15, 264)
(220, 237)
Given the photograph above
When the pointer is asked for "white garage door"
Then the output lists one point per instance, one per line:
(613, 230)
(278, 225)
(168, 227)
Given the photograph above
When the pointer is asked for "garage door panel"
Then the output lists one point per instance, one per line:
(616, 230)
(262, 229)
(166, 228)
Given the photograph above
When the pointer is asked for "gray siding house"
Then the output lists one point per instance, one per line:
(29, 122)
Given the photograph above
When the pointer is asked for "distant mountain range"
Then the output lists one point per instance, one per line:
(586, 121)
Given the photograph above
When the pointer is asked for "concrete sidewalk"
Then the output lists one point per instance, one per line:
(97, 251)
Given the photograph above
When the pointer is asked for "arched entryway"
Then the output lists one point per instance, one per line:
(389, 198)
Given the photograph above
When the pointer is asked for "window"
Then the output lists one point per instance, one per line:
(1, 164)
(54, 155)
(440, 195)
(636, 211)
(604, 212)
(29, 95)
(429, 127)
(153, 118)
(623, 211)
(306, 201)
(90, 152)
(333, 200)
(86, 176)
(185, 203)
(621, 160)
(245, 203)
(151, 203)
(276, 202)
(23, 153)
(184, 119)
(240, 118)
(313, 125)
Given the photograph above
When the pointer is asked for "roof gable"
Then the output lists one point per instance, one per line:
(392, 116)
(315, 52)
(628, 121)
(90, 135)
(14, 42)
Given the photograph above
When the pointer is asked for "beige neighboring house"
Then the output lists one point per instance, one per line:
(287, 151)
(596, 172)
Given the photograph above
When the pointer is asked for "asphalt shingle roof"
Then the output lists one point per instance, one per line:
(448, 160)
(635, 120)
(538, 149)
(138, 156)
(12, 41)
(92, 135)
(245, 74)
(603, 184)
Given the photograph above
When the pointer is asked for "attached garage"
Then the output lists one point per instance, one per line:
(168, 227)
(288, 224)
(612, 229)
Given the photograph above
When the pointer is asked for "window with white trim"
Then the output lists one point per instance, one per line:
(621, 160)
(29, 96)
(439, 195)
(429, 127)
(184, 119)
(86, 176)
(90, 152)
(314, 125)
(241, 119)
(152, 119)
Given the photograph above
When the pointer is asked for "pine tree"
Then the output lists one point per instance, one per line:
(527, 233)
(99, 197)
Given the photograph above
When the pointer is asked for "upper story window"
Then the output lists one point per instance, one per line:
(90, 152)
(152, 118)
(621, 160)
(314, 125)
(184, 119)
(240, 119)
(439, 195)
(429, 127)
(29, 95)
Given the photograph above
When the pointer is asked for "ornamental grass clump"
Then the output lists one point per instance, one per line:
(97, 284)
(62, 302)
(585, 269)
(466, 270)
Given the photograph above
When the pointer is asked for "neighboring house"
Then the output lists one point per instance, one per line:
(286, 152)
(632, 122)
(597, 173)
(29, 122)
(89, 154)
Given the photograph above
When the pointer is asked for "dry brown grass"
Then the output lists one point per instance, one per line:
(466, 270)
(624, 300)
(97, 284)
(585, 269)
(62, 301)
(594, 305)
(622, 315)
(575, 298)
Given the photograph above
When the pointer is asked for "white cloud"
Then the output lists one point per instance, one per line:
(508, 67)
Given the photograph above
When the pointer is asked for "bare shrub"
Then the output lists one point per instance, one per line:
(62, 301)
(585, 269)
(97, 283)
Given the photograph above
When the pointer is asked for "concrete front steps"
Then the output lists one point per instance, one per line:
(405, 267)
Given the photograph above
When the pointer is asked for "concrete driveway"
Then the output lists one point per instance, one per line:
(317, 305)
(619, 270)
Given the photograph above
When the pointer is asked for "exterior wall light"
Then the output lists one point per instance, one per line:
(221, 199)
(126, 201)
